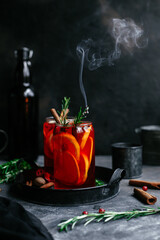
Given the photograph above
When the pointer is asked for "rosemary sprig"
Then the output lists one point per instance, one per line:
(81, 114)
(106, 217)
(65, 107)
(9, 170)
(99, 182)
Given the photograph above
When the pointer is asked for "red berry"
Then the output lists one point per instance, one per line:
(101, 210)
(47, 176)
(85, 212)
(145, 188)
(39, 172)
(57, 130)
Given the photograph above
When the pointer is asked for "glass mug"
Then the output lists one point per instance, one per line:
(69, 154)
(48, 128)
(3, 140)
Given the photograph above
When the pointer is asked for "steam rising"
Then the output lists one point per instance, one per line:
(127, 35)
(82, 54)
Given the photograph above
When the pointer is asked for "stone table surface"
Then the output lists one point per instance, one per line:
(139, 228)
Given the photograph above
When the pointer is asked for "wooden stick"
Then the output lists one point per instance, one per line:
(140, 183)
(55, 115)
(47, 185)
(144, 196)
(62, 115)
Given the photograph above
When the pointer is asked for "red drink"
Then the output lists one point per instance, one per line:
(48, 128)
(74, 156)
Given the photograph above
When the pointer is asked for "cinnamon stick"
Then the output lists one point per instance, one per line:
(29, 183)
(47, 185)
(144, 196)
(140, 183)
(62, 115)
(55, 115)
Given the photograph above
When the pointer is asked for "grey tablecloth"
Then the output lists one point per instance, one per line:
(141, 228)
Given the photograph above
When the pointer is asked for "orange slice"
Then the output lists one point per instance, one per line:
(47, 127)
(83, 136)
(66, 168)
(66, 142)
(88, 149)
(83, 167)
(44, 129)
(48, 144)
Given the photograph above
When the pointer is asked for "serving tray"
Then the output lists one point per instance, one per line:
(108, 190)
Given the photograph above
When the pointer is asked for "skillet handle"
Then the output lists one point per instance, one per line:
(117, 175)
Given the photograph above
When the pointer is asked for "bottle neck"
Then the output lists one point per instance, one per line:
(23, 74)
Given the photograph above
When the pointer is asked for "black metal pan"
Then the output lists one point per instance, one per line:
(110, 189)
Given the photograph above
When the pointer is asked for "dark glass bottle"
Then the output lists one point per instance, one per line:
(23, 110)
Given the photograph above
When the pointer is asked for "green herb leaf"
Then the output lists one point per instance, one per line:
(65, 106)
(81, 115)
(107, 216)
(9, 170)
(99, 182)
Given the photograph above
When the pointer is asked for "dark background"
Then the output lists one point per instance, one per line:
(121, 97)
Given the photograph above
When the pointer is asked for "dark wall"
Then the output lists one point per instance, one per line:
(121, 97)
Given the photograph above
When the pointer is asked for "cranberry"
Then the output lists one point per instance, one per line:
(39, 172)
(47, 176)
(145, 188)
(57, 130)
(85, 212)
(101, 210)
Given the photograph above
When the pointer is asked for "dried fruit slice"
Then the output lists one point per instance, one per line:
(66, 142)
(88, 149)
(83, 167)
(66, 168)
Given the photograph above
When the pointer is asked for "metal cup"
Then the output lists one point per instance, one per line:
(150, 139)
(127, 156)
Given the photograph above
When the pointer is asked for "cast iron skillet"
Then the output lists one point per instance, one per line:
(73, 196)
